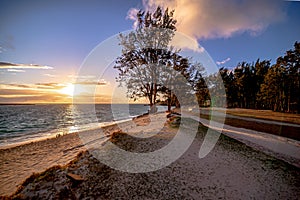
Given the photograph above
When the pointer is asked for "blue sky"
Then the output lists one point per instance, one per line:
(58, 35)
(271, 43)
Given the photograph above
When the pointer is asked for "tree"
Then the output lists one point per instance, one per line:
(280, 90)
(262, 86)
(230, 87)
(291, 61)
(261, 69)
(148, 65)
(195, 75)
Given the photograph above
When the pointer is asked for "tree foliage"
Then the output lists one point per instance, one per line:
(262, 86)
(148, 66)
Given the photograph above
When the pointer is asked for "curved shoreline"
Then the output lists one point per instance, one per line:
(231, 170)
(58, 133)
(19, 162)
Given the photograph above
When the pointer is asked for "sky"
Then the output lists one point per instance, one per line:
(45, 44)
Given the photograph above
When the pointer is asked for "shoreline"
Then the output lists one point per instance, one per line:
(18, 162)
(55, 133)
(231, 114)
(231, 170)
(61, 132)
(18, 135)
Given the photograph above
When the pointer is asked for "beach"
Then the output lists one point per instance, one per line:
(149, 99)
(18, 162)
(231, 170)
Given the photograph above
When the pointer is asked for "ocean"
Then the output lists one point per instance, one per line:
(19, 123)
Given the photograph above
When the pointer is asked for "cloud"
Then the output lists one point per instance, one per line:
(6, 43)
(2, 49)
(6, 65)
(203, 19)
(87, 80)
(131, 14)
(28, 93)
(50, 75)
(34, 98)
(82, 77)
(19, 92)
(223, 61)
(15, 70)
(14, 86)
(102, 82)
(33, 87)
(53, 86)
(181, 41)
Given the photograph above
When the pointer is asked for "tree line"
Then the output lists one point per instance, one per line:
(260, 85)
(150, 68)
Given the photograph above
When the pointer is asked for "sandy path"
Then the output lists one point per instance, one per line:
(281, 147)
(267, 115)
(281, 123)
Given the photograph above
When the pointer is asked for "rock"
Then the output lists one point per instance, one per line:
(75, 177)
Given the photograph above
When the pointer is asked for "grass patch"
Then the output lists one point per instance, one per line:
(265, 114)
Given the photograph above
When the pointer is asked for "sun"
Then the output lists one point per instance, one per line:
(68, 90)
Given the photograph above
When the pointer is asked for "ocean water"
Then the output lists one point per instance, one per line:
(20, 123)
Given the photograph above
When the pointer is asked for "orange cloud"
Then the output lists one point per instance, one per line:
(6, 65)
(204, 19)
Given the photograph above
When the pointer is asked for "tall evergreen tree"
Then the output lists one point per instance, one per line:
(261, 86)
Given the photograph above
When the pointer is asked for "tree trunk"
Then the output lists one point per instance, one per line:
(153, 109)
(169, 105)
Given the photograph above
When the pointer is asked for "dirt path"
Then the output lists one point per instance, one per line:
(281, 147)
(262, 114)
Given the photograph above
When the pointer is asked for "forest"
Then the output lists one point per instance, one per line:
(260, 85)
